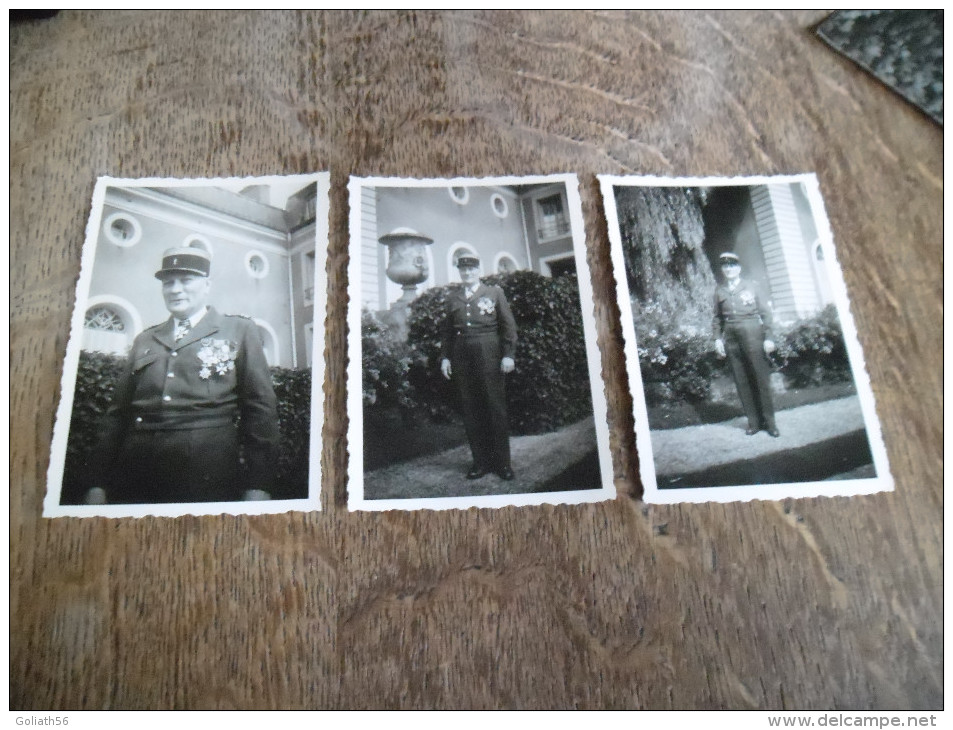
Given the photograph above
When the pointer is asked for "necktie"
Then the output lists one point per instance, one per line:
(183, 329)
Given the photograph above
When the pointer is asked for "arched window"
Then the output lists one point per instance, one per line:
(460, 195)
(269, 341)
(460, 248)
(505, 264)
(104, 319)
(309, 342)
(824, 293)
(110, 325)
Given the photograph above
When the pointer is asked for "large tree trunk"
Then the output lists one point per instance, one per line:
(662, 238)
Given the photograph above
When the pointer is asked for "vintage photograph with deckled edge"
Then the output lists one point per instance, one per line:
(193, 377)
(474, 374)
(747, 378)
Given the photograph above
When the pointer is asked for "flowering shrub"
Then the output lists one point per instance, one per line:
(812, 351)
(677, 360)
(385, 362)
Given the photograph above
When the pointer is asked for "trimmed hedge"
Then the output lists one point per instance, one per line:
(550, 386)
(96, 378)
(293, 391)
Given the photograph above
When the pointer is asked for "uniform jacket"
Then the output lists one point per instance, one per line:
(486, 312)
(215, 375)
(746, 303)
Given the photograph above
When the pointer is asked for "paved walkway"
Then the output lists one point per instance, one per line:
(695, 448)
(539, 459)
(536, 460)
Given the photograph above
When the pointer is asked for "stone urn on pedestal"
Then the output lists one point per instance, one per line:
(407, 266)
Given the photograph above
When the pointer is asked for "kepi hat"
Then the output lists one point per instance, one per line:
(728, 258)
(188, 260)
(468, 261)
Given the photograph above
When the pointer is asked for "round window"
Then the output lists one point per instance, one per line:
(257, 264)
(499, 205)
(194, 240)
(459, 194)
(122, 229)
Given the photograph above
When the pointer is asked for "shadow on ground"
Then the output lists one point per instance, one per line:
(818, 442)
(559, 461)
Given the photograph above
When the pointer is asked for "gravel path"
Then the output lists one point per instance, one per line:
(536, 460)
(694, 448)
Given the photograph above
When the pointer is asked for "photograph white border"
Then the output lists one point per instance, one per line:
(652, 494)
(355, 438)
(51, 506)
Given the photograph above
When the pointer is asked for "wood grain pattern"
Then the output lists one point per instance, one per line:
(810, 604)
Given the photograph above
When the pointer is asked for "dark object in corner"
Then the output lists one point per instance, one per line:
(19, 16)
(902, 48)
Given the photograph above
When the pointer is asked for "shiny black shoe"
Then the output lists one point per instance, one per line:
(773, 432)
(476, 473)
(751, 431)
(506, 474)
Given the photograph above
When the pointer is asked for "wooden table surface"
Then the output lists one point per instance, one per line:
(806, 604)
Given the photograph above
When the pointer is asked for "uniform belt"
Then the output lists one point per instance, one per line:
(182, 421)
(476, 333)
(743, 320)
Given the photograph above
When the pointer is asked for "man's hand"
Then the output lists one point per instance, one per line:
(96, 495)
(720, 348)
(769, 347)
(255, 495)
(507, 365)
(445, 368)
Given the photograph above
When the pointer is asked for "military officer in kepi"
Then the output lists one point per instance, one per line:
(742, 328)
(194, 401)
(478, 347)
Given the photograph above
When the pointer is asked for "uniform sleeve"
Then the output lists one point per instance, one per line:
(766, 312)
(259, 412)
(716, 321)
(507, 326)
(446, 331)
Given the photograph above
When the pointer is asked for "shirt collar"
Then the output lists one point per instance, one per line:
(194, 319)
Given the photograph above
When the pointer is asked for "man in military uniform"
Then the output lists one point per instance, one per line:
(477, 350)
(742, 328)
(194, 400)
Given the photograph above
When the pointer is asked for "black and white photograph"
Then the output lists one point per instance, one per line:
(192, 381)
(474, 375)
(747, 377)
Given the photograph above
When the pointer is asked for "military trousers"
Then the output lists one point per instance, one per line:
(744, 346)
(177, 465)
(481, 387)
